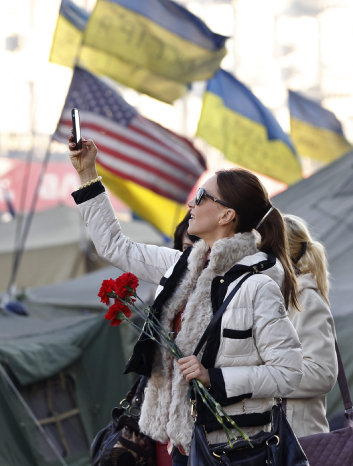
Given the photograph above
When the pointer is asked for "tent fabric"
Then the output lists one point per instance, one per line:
(325, 201)
(32, 349)
(60, 226)
(65, 333)
(55, 248)
(35, 349)
(35, 444)
(81, 292)
(58, 248)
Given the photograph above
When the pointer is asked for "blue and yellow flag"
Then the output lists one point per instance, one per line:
(136, 77)
(68, 33)
(234, 121)
(315, 131)
(156, 35)
(67, 50)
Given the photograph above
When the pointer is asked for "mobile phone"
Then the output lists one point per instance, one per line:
(76, 128)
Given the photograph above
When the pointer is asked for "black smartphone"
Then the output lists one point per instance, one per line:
(75, 115)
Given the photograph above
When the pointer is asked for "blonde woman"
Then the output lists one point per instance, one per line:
(306, 406)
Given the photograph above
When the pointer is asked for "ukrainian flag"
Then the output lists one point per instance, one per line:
(315, 131)
(156, 35)
(136, 77)
(234, 121)
(67, 50)
(68, 33)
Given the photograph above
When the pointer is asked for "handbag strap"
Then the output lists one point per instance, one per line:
(253, 269)
(343, 384)
(211, 326)
(136, 391)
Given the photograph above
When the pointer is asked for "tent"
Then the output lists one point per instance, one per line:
(57, 247)
(59, 379)
(54, 250)
(61, 372)
(325, 201)
(79, 293)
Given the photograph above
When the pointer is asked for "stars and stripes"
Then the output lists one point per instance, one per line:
(130, 146)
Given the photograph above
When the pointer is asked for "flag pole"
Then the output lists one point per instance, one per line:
(20, 249)
(26, 176)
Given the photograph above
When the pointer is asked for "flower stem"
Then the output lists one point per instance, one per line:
(153, 329)
(217, 409)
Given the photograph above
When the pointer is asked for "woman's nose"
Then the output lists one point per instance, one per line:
(191, 203)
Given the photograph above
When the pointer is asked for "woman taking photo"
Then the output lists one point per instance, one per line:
(255, 353)
(306, 406)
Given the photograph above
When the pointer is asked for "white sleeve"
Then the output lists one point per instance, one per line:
(147, 262)
(315, 327)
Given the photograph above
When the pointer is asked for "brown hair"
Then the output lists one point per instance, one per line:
(243, 190)
(308, 255)
(180, 230)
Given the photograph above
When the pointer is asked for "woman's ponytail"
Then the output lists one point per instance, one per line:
(309, 256)
(274, 239)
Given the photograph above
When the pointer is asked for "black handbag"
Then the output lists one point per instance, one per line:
(121, 443)
(333, 448)
(279, 447)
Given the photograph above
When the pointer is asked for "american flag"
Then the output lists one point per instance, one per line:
(129, 145)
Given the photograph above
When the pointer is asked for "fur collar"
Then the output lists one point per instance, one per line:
(224, 254)
(165, 412)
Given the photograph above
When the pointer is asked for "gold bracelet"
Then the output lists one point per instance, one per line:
(84, 185)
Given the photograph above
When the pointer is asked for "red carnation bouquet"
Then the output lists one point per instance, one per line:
(123, 293)
(122, 289)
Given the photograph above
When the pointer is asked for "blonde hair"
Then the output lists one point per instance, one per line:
(308, 255)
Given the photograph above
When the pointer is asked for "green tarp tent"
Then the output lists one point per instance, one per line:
(45, 359)
(66, 365)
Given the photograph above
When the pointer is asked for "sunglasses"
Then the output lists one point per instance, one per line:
(201, 193)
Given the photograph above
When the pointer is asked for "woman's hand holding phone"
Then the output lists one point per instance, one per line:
(84, 160)
(82, 151)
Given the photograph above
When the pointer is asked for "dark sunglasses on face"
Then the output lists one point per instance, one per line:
(201, 193)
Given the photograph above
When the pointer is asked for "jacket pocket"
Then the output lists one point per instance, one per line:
(236, 343)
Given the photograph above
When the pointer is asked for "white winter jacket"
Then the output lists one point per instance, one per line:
(259, 355)
(306, 406)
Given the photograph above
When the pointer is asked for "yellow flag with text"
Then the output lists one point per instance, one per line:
(156, 38)
(154, 46)
(67, 50)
